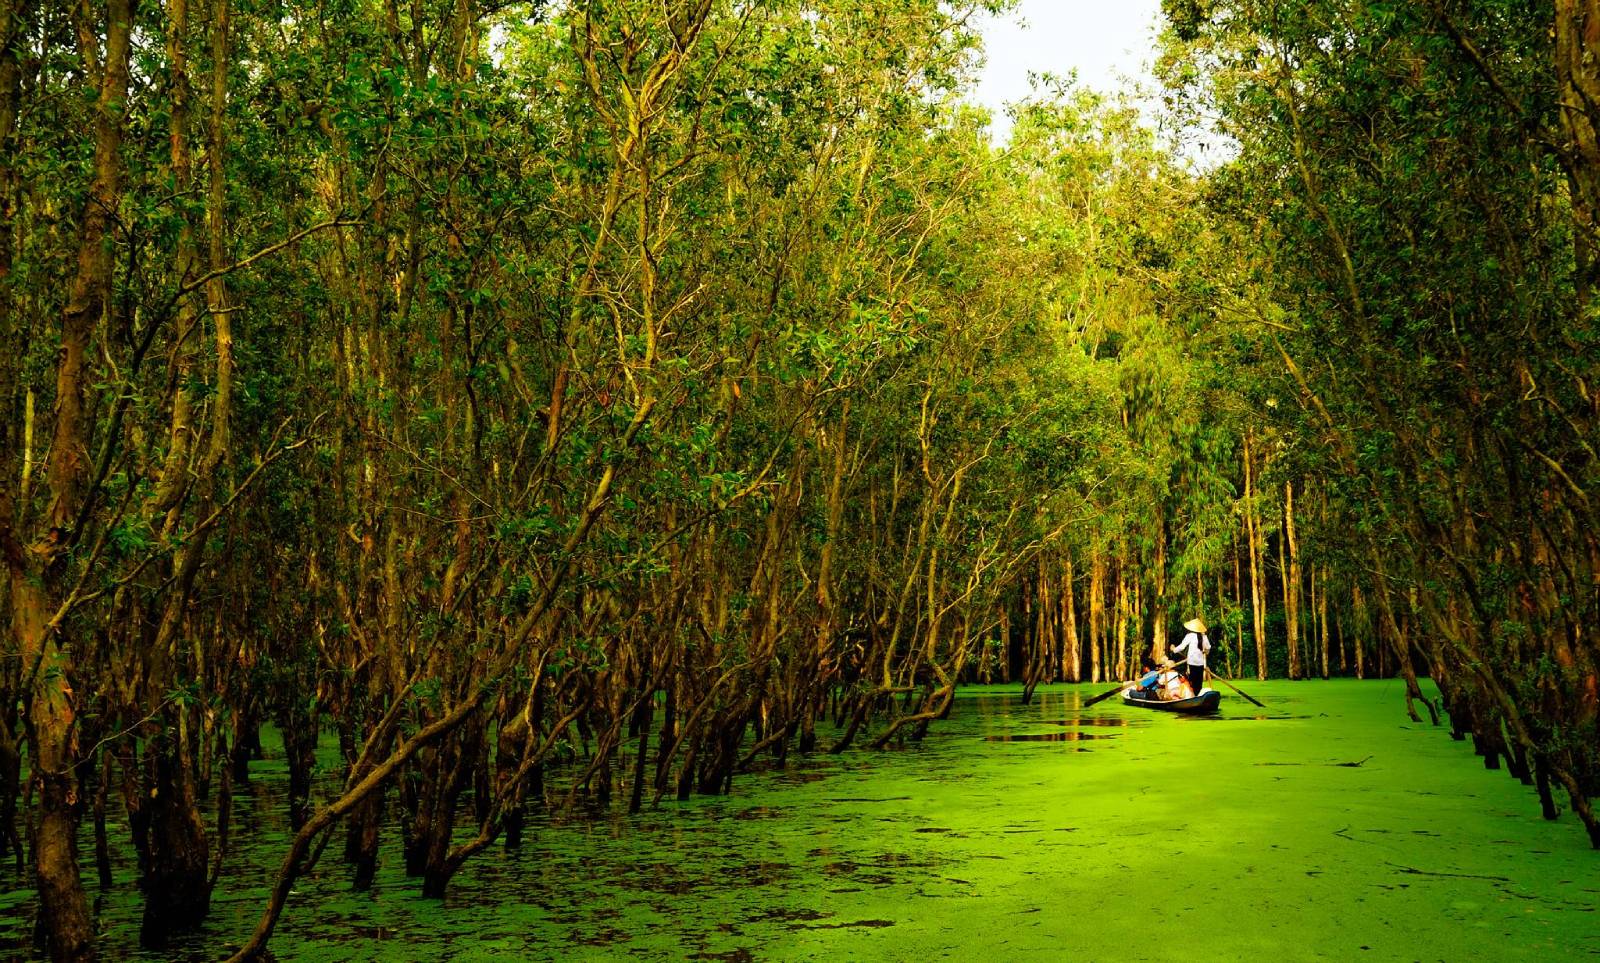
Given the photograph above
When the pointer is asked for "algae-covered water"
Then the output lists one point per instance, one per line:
(1325, 827)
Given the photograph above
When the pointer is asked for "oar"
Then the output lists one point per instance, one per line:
(1106, 695)
(1234, 688)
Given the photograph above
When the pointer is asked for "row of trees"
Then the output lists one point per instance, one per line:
(475, 383)
(1375, 418)
(1416, 184)
(592, 402)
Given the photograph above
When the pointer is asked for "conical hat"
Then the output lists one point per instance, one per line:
(1196, 624)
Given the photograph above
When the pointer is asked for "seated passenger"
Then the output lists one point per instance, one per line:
(1148, 685)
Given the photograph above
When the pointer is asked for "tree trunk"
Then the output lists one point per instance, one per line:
(1158, 605)
(1258, 607)
(1122, 624)
(1362, 626)
(1097, 613)
(10, 788)
(1577, 68)
(176, 883)
(364, 832)
(1238, 595)
(37, 584)
(1320, 594)
(1291, 581)
(1074, 657)
(299, 728)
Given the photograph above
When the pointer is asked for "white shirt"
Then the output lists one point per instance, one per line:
(1198, 645)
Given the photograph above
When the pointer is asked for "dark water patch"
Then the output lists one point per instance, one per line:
(668, 879)
(760, 873)
(931, 829)
(1116, 722)
(1337, 765)
(1413, 871)
(852, 925)
(605, 936)
(740, 955)
(782, 915)
(1068, 736)
(799, 777)
(1221, 718)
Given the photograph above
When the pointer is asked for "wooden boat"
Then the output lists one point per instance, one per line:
(1200, 703)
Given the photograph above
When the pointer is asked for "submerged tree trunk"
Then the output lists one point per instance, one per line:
(176, 883)
(63, 904)
(298, 725)
(364, 833)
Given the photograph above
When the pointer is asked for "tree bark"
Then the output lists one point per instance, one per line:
(38, 573)
(1319, 594)
(1577, 69)
(1258, 620)
(1291, 582)
(1097, 612)
(176, 883)
(1074, 656)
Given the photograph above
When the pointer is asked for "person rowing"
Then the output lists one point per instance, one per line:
(1193, 650)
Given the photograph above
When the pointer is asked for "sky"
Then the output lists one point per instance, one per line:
(1103, 39)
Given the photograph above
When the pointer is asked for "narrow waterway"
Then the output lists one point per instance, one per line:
(1326, 826)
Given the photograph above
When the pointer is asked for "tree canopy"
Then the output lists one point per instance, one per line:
(583, 403)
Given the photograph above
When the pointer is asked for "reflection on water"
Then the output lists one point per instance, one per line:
(1068, 736)
(1216, 718)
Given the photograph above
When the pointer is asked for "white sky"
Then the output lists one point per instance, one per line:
(1104, 40)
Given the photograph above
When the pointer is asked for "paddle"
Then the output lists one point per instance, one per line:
(1234, 688)
(1106, 695)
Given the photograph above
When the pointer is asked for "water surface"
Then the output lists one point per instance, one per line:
(1326, 826)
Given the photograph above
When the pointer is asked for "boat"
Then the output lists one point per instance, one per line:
(1200, 703)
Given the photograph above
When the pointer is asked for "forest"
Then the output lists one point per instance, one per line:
(580, 407)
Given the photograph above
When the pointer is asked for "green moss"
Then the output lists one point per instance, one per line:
(1325, 826)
